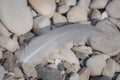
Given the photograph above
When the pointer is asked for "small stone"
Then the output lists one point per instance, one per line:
(28, 36)
(48, 73)
(52, 66)
(1, 53)
(34, 14)
(118, 78)
(16, 16)
(4, 31)
(81, 55)
(74, 76)
(84, 74)
(68, 2)
(71, 2)
(96, 14)
(110, 68)
(9, 61)
(96, 64)
(2, 72)
(113, 9)
(18, 73)
(59, 19)
(107, 44)
(10, 78)
(63, 9)
(29, 70)
(57, 1)
(104, 15)
(77, 14)
(41, 24)
(8, 43)
(44, 7)
(84, 4)
(101, 78)
(65, 55)
(98, 4)
(69, 66)
(83, 49)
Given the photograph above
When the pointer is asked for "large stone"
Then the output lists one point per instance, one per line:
(16, 16)
(44, 7)
(107, 44)
(107, 27)
(96, 64)
(98, 4)
(59, 19)
(77, 14)
(113, 9)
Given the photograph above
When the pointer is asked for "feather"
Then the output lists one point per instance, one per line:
(41, 47)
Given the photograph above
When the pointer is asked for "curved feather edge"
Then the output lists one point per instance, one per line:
(41, 47)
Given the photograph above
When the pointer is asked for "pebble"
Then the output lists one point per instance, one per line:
(98, 4)
(65, 54)
(16, 16)
(71, 2)
(41, 24)
(48, 73)
(29, 70)
(107, 27)
(68, 2)
(104, 15)
(110, 68)
(52, 66)
(96, 14)
(81, 55)
(74, 76)
(101, 78)
(115, 22)
(2, 72)
(8, 43)
(69, 66)
(9, 61)
(28, 36)
(118, 78)
(83, 49)
(63, 9)
(96, 64)
(113, 9)
(77, 14)
(84, 74)
(84, 4)
(59, 19)
(18, 73)
(107, 44)
(4, 31)
(1, 53)
(44, 7)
